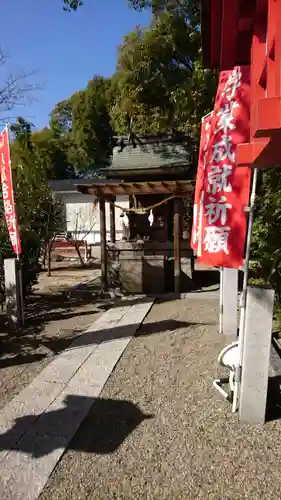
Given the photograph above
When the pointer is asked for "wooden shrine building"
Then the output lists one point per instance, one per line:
(247, 32)
(157, 174)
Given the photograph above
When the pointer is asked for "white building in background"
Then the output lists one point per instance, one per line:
(82, 211)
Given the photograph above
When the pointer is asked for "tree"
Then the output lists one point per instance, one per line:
(16, 88)
(267, 229)
(83, 122)
(41, 148)
(91, 135)
(82, 225)
(52, 154)
(39, 214)
(189, 9)
(160, 80)
(61, 118)
(70, 5)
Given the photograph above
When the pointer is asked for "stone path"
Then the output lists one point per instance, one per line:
(38, 424)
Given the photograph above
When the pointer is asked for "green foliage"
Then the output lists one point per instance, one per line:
(160, 81)
(39, 214)
(83, 124)
(70, 5)
(52, 154)
(189, 9)
(266, 239)
(43, 147)
(91, 133)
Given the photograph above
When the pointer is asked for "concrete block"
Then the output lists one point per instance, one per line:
(39, 395)
(12, 292)
(19, 415)
(25, 471)
(81, 388)
(112, 315)
(9, 440)
(256, 355)
(131, 274)
(102, 359)
(91, 339)
(79, 353)
(141, 308)
(229, 302)
(64, 366)
(98, 367)
(100, 329)
(64, 416)
(106, 319)
(153, 274)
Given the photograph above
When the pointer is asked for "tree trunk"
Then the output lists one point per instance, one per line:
(49, 251)
(78, 253)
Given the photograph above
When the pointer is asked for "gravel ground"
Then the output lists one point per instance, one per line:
(53, 320)
(160, 431)
(66, 274)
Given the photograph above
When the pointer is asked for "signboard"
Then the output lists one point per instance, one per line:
(225, 189)
(7, 192)
(198, 195)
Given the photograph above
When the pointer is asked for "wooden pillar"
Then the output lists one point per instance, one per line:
(112, 221)
(103, 249)
(177, 239)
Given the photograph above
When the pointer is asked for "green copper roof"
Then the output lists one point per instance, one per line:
(153, 155)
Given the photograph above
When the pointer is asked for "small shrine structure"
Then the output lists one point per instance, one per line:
(157, 174)
(236, 32)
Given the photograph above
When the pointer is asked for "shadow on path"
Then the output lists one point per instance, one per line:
(22, 350)
(104, 429)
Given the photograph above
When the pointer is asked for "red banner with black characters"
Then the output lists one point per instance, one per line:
(197, 206)
(225, 187)
(7, 192)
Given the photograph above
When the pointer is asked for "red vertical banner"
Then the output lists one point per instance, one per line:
(7, 192)
(197, 207)
(225, 186)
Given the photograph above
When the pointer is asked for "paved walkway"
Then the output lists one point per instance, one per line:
(38, 424)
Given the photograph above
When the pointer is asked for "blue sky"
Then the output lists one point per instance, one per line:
(65, 49)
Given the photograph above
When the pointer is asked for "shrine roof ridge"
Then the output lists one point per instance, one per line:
(150, 156)
(160, 137)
